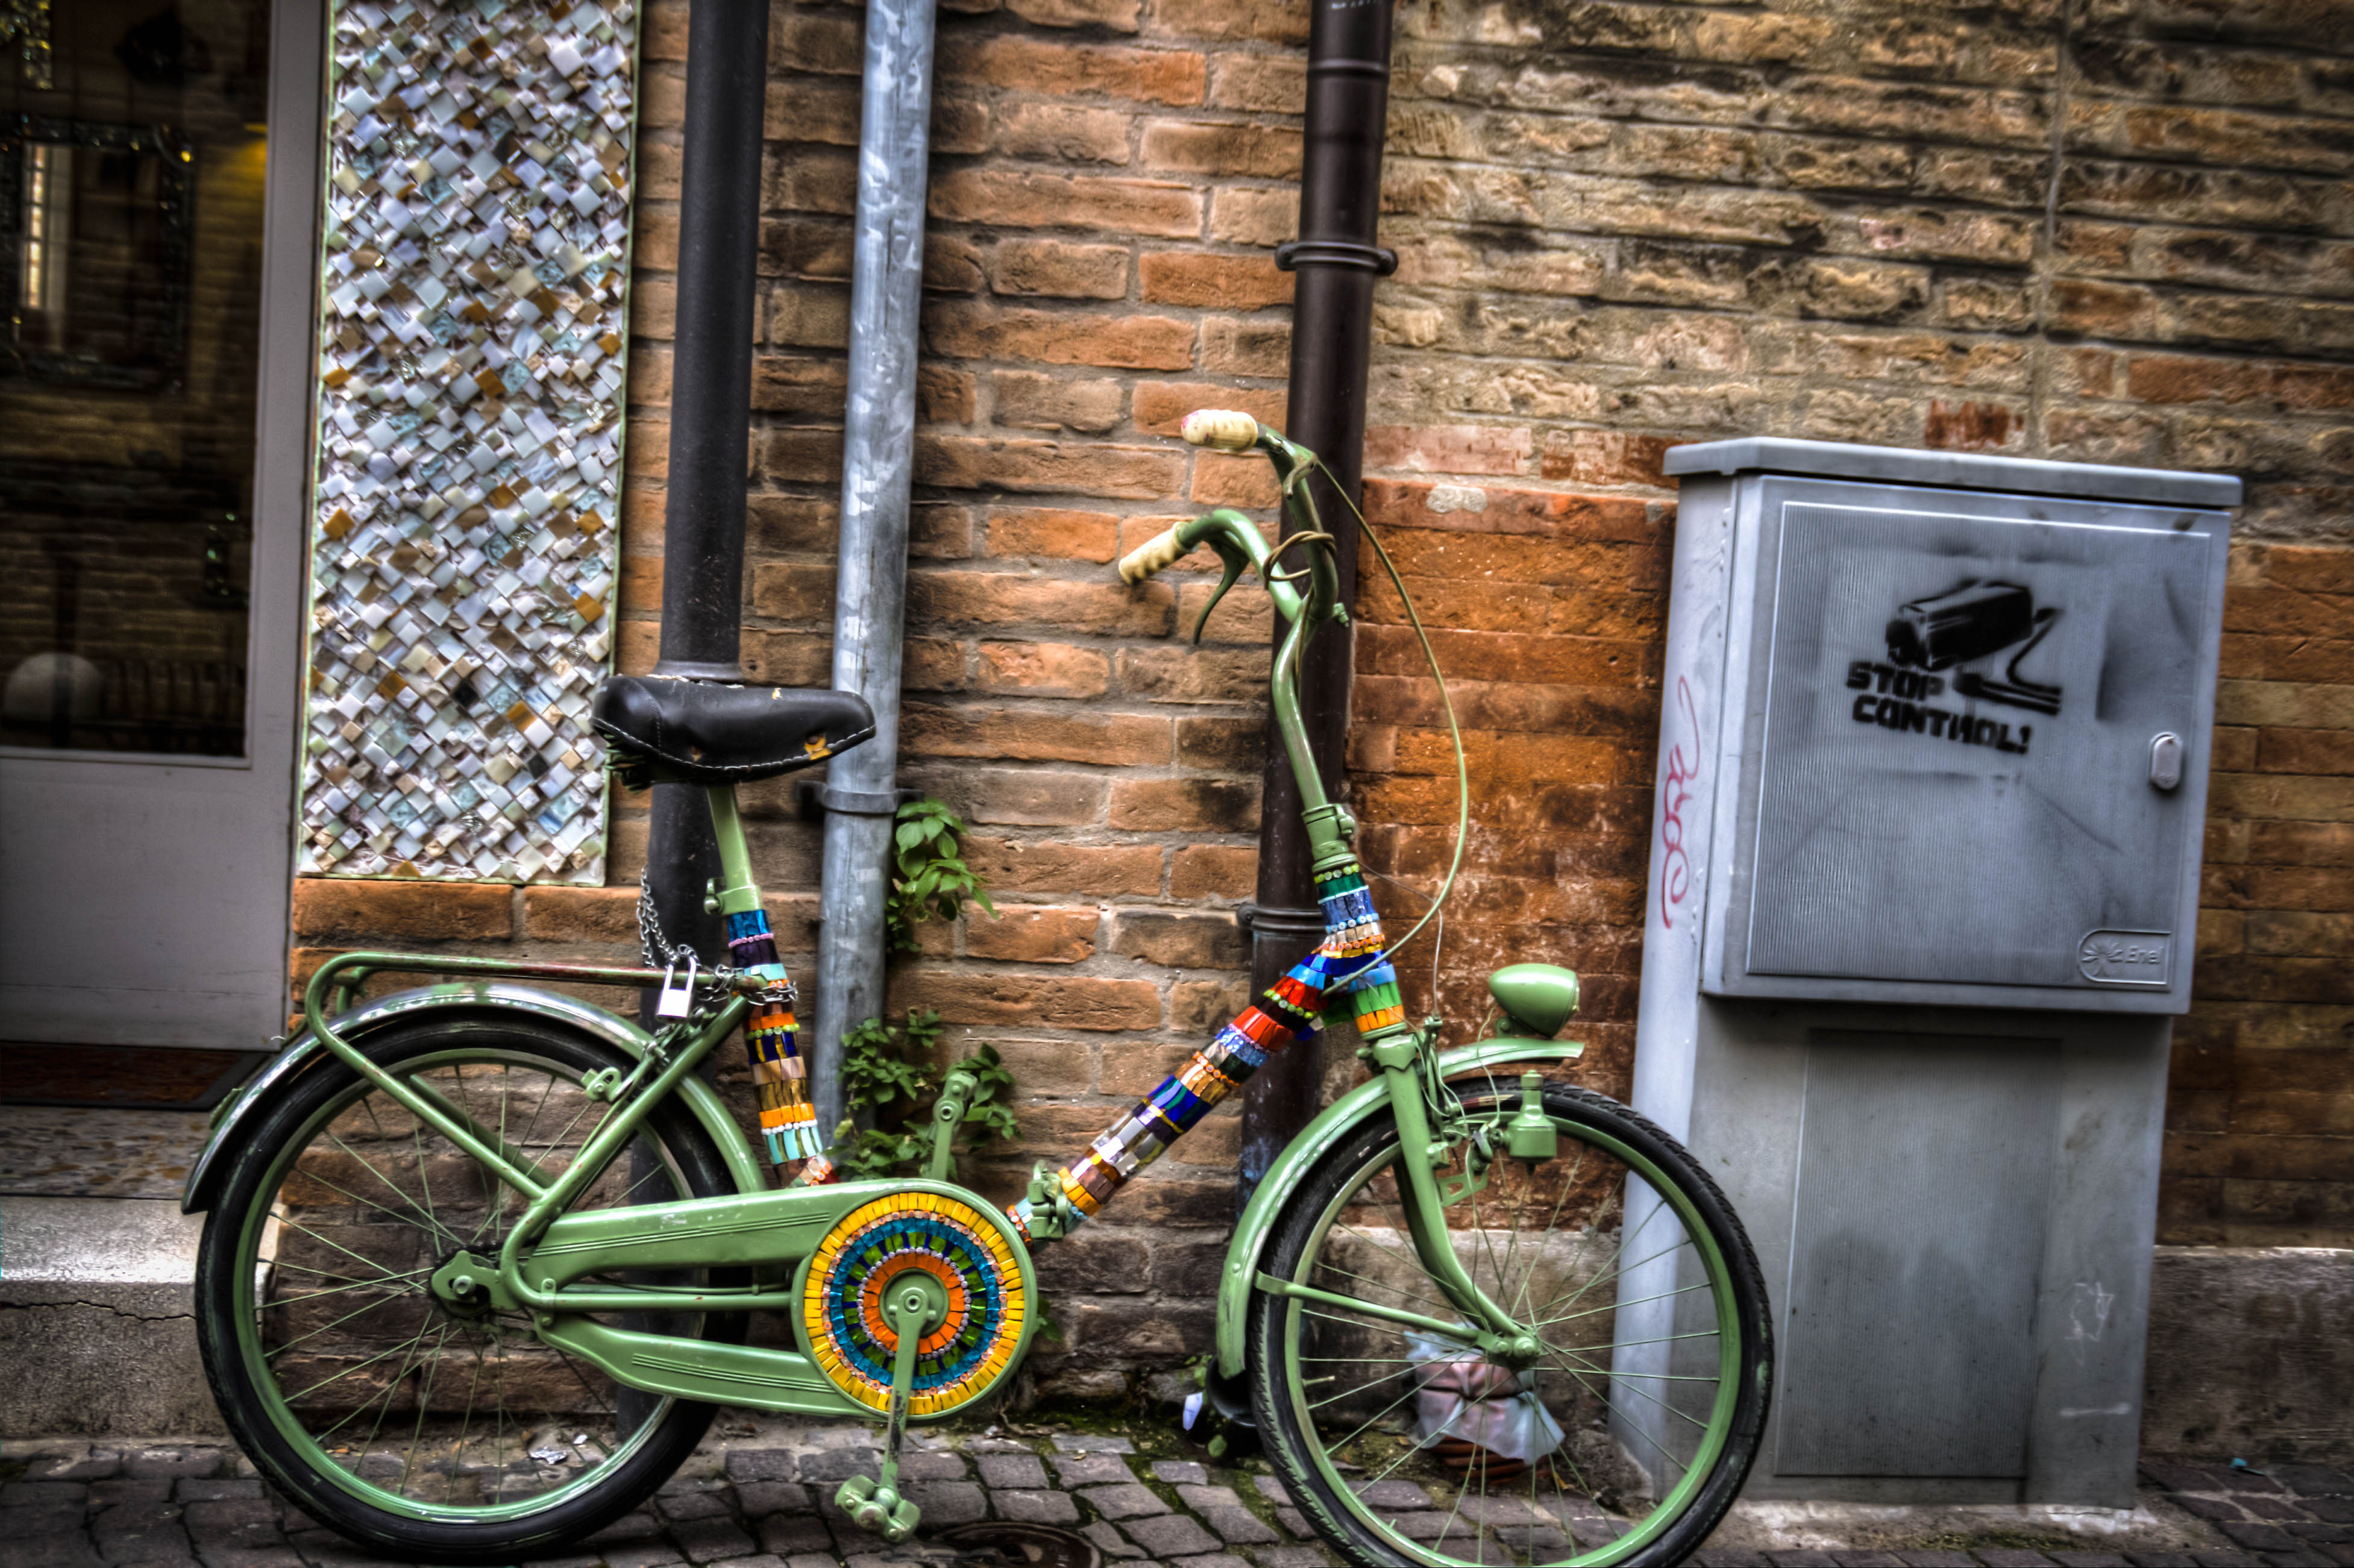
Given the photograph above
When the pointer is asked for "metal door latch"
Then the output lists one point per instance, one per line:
(2165, 760)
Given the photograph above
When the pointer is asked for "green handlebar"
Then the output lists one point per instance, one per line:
(1240, 547)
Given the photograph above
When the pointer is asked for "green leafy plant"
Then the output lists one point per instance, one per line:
(990, 1113)
(929, 879)
(887, 1074)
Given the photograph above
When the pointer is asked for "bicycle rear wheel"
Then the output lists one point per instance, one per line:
(435, 1430)
(1619, 1444)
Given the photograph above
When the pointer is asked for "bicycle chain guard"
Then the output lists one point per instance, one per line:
(854, 1339)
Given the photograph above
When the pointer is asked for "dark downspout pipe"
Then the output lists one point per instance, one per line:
(710, 423)
(1331, 331)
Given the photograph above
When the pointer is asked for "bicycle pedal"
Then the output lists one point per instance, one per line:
(878, 1509)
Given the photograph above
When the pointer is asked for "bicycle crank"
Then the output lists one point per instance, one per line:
(916, 1303)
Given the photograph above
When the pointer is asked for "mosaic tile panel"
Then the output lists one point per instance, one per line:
(473, 321)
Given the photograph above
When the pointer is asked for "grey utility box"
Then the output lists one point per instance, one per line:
(1923, 885)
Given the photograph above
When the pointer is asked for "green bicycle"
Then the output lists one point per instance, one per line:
(481, 1259)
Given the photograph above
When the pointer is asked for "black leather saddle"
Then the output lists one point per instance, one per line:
(670, 731)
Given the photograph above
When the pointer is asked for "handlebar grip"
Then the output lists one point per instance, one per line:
(1228, 430)
(1151, 556)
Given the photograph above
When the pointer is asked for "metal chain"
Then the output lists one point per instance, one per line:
(660, 953)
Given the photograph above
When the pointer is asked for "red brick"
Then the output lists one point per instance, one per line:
(1116, 16)
(790, 522)
(1284, 22)
(1031, 401)
(797, 385)
(2299, 843)
(1044, 670)
(788, 456)
(2288, 610)
(1024, 797)
(343, 909)
(640, 585)
(1055, 337)
(2311, 568)
(995, 999)
(1188, 940)
(794, 591)
(1185, 805)
(787, 658)
(1223, 479)
(1602, 457)
(1162, 406)
(1449, 449)
(934, 665)
(1027, 735)
(1009, 598)
(1212, 282)
(1266, 84)
(1233, 345)
(2303, 751)
(1098, 871)
(1017, 199)
(1031, 935)
(972, 462)
(581, 915)
(1070, 131)
(1213, 872)
(1199, 1006)
(1063, 536)
(1173, 77)
(1189, 675)
(1973, 426)
(1056, 267)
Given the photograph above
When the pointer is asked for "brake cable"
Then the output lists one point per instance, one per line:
(1446, 705)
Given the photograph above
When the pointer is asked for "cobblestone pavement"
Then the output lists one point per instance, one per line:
(763, 1502)
(760, 1497)
(2274, 1516)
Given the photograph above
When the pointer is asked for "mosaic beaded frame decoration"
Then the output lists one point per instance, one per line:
(472, 394)
(1349, 961)
(842, 1301)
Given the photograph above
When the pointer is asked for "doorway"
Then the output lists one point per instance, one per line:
(159, 189)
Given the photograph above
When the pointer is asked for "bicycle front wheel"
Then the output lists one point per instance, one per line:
(434, 1429)
(1619, 1443)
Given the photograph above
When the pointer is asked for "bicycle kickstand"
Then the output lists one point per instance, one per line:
(915, 1304)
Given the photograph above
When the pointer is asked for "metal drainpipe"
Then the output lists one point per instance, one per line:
(710, 425)
(1331, 329)
(878, 464)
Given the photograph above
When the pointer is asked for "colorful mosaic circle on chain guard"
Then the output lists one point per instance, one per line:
(964, 1249)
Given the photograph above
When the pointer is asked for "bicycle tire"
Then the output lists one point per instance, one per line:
(298, 1200)
(1577, 1513)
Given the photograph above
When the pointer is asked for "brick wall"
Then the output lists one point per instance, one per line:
(1622, 226)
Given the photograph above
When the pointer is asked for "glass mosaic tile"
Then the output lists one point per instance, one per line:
(473, 321)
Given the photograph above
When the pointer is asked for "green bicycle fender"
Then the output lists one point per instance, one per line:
(1338, 1120)
(239, 1110)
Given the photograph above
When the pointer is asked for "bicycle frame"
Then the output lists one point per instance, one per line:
(546, 1250)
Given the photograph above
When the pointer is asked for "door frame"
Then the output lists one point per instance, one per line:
(36, 1008)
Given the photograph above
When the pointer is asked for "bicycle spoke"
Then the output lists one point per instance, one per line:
(363, 1366)
(1640, 1394)
(1621, 1306)
(328, 1241)
(339, 1322)
(1568, 1184)
(357, 1328)
(1369, 1383)
(1555, 1243)
(283, 1301)
(412, 1213)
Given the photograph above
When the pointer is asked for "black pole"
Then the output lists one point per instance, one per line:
(1332, 333)
(710, 422)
